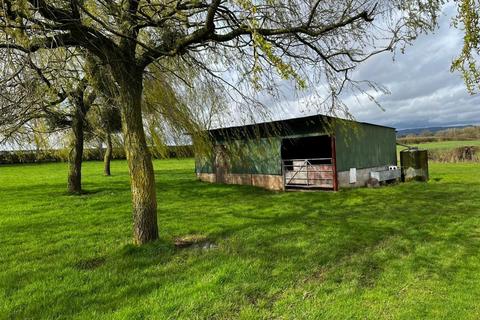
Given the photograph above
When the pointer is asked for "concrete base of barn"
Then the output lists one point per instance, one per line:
(346, 179)
(270, 182)
(360, 179)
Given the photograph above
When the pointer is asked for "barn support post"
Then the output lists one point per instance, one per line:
(334, 164)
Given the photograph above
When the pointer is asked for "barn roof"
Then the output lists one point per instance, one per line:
(283, 127)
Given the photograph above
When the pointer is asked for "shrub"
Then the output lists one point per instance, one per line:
(461, 154)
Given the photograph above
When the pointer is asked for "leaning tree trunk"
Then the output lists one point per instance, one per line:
(142, 179)
(108, 155)
(76, 155)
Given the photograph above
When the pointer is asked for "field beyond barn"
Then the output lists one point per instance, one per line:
(405, 251)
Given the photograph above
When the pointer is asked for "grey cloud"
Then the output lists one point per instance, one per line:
(423, 90)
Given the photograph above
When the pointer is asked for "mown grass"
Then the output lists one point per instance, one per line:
(409, 251)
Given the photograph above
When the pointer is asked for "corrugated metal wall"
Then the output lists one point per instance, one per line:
(358, 146)
(365, 146)
(256, 156)
(204, 164)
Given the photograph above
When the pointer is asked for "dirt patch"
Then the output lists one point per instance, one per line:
(194, 241)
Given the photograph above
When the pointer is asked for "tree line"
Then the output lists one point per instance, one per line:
(450, 134)
(89, 154)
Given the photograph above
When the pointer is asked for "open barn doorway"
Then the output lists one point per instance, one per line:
(309, 162)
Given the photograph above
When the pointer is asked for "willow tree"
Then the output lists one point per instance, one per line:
(81, 101)
(50, 92)
(106, 118)
(107, 123)
(302, 40)
(468, 62)
(179, 109)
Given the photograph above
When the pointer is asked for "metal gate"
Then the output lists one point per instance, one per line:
(309, 173)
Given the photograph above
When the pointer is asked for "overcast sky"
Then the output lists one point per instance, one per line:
(424, 92)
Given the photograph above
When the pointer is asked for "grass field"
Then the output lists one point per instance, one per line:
(444, 145)
(409, 251)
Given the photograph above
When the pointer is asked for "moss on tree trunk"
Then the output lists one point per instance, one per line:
(144, 202)
(76, 155)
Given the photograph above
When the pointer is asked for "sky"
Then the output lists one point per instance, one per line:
(423, 91)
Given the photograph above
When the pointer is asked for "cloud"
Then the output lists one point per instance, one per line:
(423, 90)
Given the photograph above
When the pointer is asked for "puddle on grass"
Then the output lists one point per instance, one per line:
(90, 264)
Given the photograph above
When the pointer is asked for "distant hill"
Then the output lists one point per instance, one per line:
(416, 131)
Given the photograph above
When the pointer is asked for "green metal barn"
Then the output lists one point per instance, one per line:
(311, 152)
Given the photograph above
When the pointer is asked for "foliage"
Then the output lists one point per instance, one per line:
(467, 153)
(450, 151)
(468, 19)
(42, 96)
(446, 145)
(175, 115)
(405, 251)
(242, 45)
(105, 115)
(451, 134)
(61, 155)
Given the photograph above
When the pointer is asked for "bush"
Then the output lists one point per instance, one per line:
(61, 155)
(461, 154)
(412, 139)
(451, 134)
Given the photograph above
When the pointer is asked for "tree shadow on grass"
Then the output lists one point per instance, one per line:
(269, 242)
(429, 212)
(332, 236)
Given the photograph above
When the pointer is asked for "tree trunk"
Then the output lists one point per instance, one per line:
(142, 178)
(100, 150)
(108, 155)
(76, 155)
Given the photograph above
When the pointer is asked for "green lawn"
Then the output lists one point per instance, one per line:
(410, 251)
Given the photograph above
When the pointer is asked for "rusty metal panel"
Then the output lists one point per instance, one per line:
(304, 174)
(320, 172)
